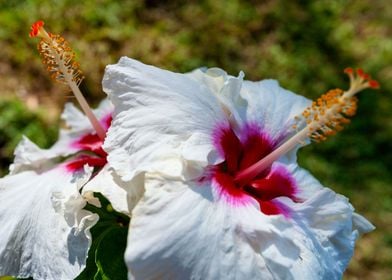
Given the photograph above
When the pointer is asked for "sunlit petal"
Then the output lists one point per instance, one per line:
(45, 231)
(122, 196)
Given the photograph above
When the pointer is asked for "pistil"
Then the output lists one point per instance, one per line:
(59, 59)
(323, 118)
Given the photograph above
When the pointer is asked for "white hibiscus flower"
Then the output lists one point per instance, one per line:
(210, 209)
(45, 230)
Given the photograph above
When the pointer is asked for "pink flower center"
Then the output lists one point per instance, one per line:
(90, 149)
(240, 153)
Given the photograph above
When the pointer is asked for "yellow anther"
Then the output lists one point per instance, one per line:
(59, 58)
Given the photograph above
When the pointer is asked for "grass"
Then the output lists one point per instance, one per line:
(303, 44)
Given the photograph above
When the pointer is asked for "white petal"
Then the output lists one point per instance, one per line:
(45, 232)
(361, 224)
(273, 107)
(28, 156)
(307, 185)
(79, 126)
(74, 118)
(329, 216)
(225, 87)
(185, 231)
(76, 121)
(157, 113)
(213, 78)
(123, 196)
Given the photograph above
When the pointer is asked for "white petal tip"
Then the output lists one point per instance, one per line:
(362, 224)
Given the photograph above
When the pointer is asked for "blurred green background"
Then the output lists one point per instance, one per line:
(303, 44)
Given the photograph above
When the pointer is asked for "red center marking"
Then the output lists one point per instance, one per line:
(91, 145)
(266, 186)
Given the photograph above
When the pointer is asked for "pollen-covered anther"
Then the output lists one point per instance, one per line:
(57, 55)
(331, 111)
(328, 113)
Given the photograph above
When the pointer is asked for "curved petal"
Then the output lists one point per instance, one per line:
(28, 156)
(178, 232)
(309, 187)
(361, 224)
(329, 218)
(78, 126)
(226, 88)
(306, 184)
(45, 231)
(75, 120)
(264, 103)
(158, 115)
(123, 196)
(189, 231)
(272, 107)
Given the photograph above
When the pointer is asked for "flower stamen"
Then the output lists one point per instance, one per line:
(323, 118)
(59, 59)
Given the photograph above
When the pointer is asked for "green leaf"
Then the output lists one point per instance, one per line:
(110, 231)
(91, 269)
(109, 256)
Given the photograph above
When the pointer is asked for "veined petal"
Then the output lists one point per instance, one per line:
(329, 218)
(28, 156)
(186, 230)
(179, 232)
(226, 88)
(272, 107)
(307, 185)
(326, 217)
(75, 120)
(262, 103)
(78, 126)
(160, 114)
(361, 224)
(157, 114)
(45, 231)
(122, 195)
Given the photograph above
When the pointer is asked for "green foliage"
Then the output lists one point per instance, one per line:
(16, 120)
(106, 256)
(110, 254)
(303, 44)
